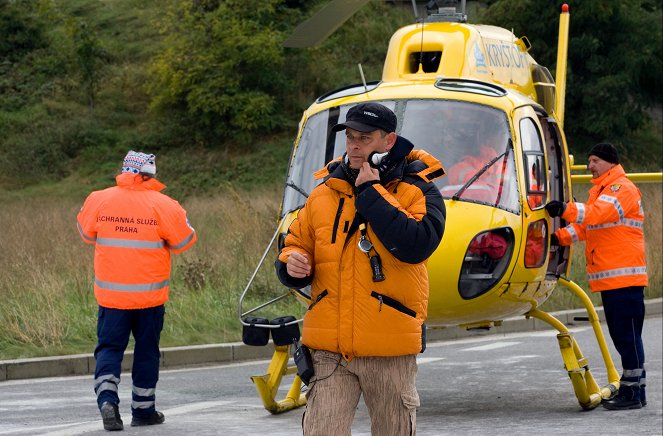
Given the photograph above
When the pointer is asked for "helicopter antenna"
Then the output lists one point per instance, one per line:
(363, 79)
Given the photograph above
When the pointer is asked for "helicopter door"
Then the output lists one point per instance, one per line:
(535, 192)
(559, 188)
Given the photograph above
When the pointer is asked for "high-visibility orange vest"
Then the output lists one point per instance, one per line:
(134, 228)
(611, 222)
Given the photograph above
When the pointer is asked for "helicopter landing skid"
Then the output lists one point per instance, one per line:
(268, 384)
(587, 391)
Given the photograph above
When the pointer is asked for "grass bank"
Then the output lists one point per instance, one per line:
(46, 302)
(48, 307)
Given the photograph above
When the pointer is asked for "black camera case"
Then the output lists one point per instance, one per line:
(304, 362)
(253, 334)
(285, 334)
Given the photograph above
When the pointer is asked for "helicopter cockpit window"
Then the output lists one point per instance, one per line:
(473, 143)
(471, 140)
(534, 163)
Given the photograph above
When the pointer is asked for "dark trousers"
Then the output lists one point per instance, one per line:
(624, 310)
(113, 329)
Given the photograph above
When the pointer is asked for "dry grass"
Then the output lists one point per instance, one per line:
(47, 303)
(47, 306)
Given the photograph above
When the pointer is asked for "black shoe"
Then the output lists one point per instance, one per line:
(643, 402)
(621, 402)
(155, 418)
(110, 414)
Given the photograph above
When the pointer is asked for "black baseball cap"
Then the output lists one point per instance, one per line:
(367, 117)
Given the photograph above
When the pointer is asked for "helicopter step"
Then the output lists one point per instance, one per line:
(587, 391)
(268, 384)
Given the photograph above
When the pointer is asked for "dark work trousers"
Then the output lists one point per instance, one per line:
(113, 329)
(624, 310)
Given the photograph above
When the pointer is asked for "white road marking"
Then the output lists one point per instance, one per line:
(550, 333)
(86, 426)
(493, 346)
(423, 360)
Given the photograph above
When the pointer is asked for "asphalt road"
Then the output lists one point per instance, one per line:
(510, 384)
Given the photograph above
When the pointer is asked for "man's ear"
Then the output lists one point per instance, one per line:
(391, 140)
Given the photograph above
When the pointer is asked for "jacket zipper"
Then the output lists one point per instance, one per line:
(336, 220)
(393, 303)
(322, 295)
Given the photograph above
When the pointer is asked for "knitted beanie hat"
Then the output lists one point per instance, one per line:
(139, 163)
(605, 151)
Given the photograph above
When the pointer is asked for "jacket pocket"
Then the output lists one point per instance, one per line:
(394, 304)
(322, 295)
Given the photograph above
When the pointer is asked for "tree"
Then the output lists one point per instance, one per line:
(220, 66)
(90, 57)
(20, 30)
(614, 61)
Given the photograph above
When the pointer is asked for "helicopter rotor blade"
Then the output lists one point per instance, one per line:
(317, 28)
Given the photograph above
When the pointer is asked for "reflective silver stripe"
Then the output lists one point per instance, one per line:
(183, 243)
(143, 392)
(130, 243)
(131, 288)
(619, 272)
(106, 386)
(142, 404)
(632, 373)
(625, 222)
(89, 238)
(581, 213)
(623, 382)
(643, 382)
(107, 382)
(109, 377)
(573, 233)
(615, 203)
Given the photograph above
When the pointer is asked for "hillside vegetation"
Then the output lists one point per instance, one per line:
(208, 87)
(82, 81)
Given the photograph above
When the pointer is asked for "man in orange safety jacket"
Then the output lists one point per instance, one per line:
(611, 223)
(134, 228)
(362, 242)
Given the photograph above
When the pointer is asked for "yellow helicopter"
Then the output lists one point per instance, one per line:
(464, 93)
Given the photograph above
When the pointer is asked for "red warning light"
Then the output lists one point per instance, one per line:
(565, 8)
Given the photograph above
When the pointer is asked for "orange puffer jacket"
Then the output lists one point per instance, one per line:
(611, 223)
(350, 313)
(134, 228)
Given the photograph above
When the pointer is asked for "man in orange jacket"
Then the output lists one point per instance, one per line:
(134, 228)
(611, 223)
(362, 241)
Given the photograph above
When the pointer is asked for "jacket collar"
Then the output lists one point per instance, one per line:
(418, 162)
(136, 182)
(609, 176)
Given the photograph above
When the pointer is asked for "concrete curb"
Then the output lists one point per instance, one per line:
(197, 355)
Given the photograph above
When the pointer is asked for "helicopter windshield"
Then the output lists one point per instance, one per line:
(471, 140)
